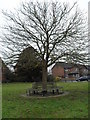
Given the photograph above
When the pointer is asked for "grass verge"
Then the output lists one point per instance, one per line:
(73, 105)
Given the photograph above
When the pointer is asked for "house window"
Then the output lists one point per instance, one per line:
(66, 73)
(76, 69)
(77, 75)
(66, 70)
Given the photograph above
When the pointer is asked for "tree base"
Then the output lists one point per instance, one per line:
(46, 95)
(44, 92)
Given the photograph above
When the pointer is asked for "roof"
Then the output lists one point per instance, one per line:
(70, 65)
(88, 67)
(63, 64)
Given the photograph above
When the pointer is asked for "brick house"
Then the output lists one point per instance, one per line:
(4, 72)
(0, 70)
(69, 70)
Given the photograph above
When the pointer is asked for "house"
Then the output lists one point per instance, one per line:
(88, 68)
(0, 70)
(4, 72)
(69, 70)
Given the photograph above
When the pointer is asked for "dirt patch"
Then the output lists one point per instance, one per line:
(47, 96)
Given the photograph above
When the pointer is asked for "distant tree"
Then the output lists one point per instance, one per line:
(56, 30)
(7, 74)
(28, 67)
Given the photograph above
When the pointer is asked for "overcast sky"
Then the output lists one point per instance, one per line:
(10, 4)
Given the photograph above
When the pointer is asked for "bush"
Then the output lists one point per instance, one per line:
(57, 79)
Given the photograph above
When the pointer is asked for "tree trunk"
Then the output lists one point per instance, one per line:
(44, 76)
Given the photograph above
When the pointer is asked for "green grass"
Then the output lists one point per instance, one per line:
(73, 105)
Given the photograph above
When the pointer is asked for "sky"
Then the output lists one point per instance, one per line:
(8, 4)
(11, 4)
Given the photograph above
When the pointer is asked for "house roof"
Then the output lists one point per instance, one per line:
(88, 67)
(69, 65)
(63, 64)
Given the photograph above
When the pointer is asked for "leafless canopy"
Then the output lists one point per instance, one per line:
(56, 30)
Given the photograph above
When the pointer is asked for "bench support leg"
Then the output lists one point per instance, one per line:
(57, 91)
(53, 91)
(33, 92)
(44, 92)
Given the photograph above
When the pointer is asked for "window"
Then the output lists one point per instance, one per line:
(66, 70)
(76, 69)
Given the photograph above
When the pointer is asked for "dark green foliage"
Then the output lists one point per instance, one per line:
(7, 74)
(28, 67)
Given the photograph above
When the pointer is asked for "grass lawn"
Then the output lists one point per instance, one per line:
(73, 105)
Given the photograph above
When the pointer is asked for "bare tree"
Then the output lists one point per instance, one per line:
(56, 30)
